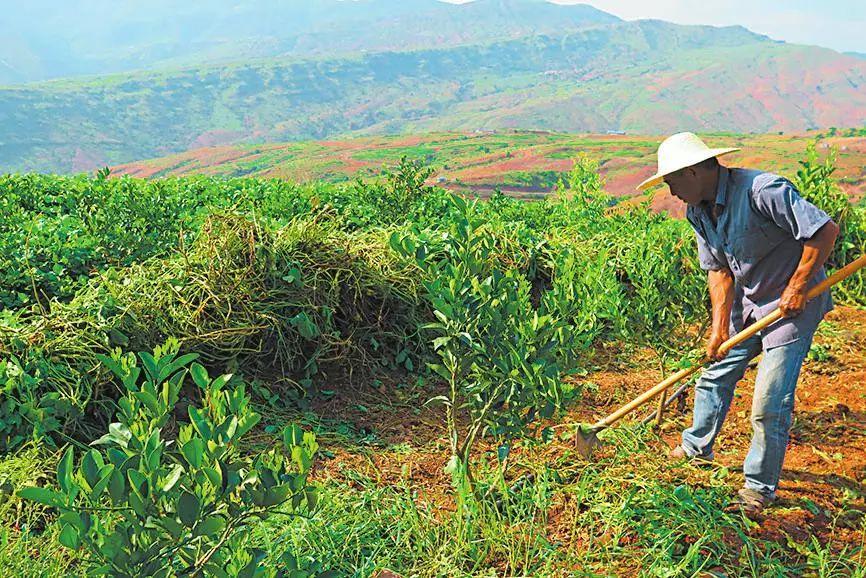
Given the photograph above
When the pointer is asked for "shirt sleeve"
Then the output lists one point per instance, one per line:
(780, 201)
(706, 258)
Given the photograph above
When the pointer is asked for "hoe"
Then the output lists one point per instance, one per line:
(587, 435)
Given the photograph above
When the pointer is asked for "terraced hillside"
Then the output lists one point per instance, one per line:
(526, 164)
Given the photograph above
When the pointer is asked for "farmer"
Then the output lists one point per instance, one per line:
(763, 247)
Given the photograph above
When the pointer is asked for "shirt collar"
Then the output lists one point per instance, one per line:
(722, 189)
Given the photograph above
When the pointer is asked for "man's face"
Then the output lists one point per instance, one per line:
(686, 185)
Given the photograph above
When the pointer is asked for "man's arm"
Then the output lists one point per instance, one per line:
(816, 250)
(721, 284)
(780, 201)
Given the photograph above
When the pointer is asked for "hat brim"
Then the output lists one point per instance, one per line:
(658, 178)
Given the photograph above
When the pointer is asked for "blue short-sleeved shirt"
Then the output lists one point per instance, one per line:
(759, 237)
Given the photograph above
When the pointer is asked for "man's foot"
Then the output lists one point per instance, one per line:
(750, 502)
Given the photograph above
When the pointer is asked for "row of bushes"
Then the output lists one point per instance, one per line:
(285, 297)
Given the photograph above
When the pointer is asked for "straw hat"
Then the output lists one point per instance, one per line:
(678, 152)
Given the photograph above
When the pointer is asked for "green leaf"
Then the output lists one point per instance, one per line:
(249, 570)
(193, 452)
(305, 326)
(117, 487)
(172, 478)
(112, 365)
(117, 337)
(149, 401)
(200, 375)
(64, 471)
(90, 467)
(214, 476)
(117, 433)
(277, 495)
(172, 527)
(440, 369)
(150, 366)
(137, 505)
(70, 537)
(178, 363)
(210, 526)
(293, 435)
(220, 381)
(188, 508)
(246, 423)
(503, 451)
(396, 245)
(137, 482)
(105, 474)
(42, 496)
(73, 518)
(117, 457)
(312, 495)
(200, 423)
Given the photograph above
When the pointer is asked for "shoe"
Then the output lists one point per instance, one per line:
(749, 502)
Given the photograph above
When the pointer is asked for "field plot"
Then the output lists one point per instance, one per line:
(524, 164)
(251, 377)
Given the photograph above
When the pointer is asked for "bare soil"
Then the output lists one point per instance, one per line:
(825, 466)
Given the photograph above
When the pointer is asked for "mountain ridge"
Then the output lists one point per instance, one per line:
(44, 40)
(646, 76)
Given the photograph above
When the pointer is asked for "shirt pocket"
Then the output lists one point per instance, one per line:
(756, 242)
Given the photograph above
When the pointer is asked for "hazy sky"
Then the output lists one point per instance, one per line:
(838, 24)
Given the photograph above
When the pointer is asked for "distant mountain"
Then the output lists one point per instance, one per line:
(44, 39)
(421, 65)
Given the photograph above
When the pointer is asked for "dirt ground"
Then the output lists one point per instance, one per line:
(825, 466)
(825, 463)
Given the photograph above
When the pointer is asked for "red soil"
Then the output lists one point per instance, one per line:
(824, 467)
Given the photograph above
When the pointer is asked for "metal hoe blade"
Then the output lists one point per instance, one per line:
(587, 440)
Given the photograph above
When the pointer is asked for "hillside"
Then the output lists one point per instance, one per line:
(646, 77)
(44, 39)
(524, 164)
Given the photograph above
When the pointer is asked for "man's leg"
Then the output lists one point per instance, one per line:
(772, 407)
(713, 394)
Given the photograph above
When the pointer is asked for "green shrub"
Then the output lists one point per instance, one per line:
(497, 353)
(30, 412)
(815, 181)
(150, 505)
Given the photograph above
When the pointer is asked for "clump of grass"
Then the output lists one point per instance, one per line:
(287, 297)
(281, 301)
(28, 535)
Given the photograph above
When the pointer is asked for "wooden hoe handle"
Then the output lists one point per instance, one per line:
(726, 347)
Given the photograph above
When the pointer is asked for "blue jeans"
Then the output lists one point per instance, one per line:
(772, 406)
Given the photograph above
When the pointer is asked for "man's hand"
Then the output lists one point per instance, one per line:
(716, 340)
(793, 300)
(816, 249)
